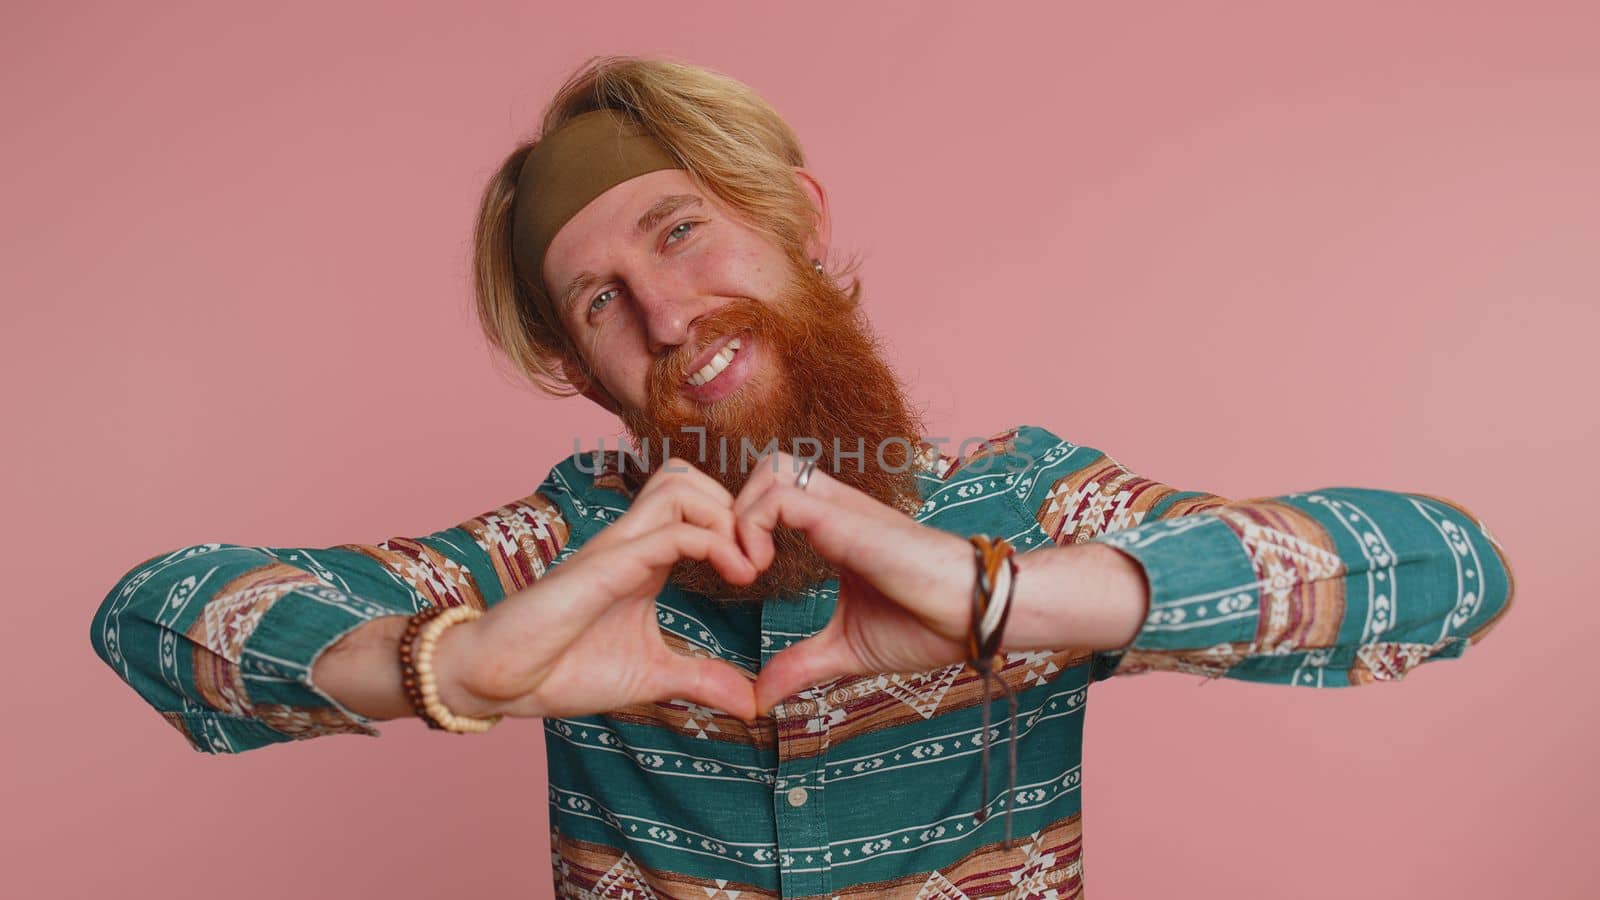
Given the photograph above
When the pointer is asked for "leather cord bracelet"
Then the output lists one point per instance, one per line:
(991, 607)
(416, 669)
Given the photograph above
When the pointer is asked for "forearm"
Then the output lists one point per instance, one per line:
(1082, 596)
(1335, 586)
(222, 639)
(219, 639)
(362, 670)
(1338, 586)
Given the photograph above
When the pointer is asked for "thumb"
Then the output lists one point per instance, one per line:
(709, 682)
(821, 657)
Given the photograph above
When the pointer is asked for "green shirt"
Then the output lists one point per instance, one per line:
(860, 786)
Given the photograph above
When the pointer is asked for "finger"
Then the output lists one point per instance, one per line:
(838, 533)
(821, 657)
(678, 470)
(659, 549)
(772, 468)
(687, 503)
(671, 497)
(821, 484)
(708, 682)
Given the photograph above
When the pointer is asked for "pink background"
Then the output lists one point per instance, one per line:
(1244, 250)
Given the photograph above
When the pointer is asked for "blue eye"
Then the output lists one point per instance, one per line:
(601, 300)
(679, 230)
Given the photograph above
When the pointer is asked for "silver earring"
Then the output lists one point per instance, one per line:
(817, 264)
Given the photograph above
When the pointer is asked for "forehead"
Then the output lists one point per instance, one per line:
(608, 220)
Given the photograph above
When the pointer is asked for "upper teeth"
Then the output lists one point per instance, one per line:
(719, 362)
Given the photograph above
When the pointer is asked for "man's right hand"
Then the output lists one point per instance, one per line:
(584, 638)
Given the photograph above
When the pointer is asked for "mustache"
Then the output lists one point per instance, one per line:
(733, 317)
(738, 316)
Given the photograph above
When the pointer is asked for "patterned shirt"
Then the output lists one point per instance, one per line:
(863, 786)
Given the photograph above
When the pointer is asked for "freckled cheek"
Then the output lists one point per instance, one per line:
(619, 360)
(732, 272)
(631, 380)
(632, 362)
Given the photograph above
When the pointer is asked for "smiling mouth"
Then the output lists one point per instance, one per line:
(718, 364)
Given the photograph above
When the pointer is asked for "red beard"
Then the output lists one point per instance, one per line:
(822, 380)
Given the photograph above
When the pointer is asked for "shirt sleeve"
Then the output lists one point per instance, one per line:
(1331, 587)
(221, 638)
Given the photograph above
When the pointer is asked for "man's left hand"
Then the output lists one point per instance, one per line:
(905, 589)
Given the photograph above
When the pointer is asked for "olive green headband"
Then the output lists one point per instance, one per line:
(582, 159)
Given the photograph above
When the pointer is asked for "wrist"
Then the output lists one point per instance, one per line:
(359, 673)
(455, 655)
(1088, 596)
(1127, 593)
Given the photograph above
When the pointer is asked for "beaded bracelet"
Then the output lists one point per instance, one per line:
(991, 607)
(416, 669)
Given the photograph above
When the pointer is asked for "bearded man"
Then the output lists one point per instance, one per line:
(771, 674)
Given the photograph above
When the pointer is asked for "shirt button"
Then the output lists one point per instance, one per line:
(797, 797)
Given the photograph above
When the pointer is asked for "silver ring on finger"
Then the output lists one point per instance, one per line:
(804, 477)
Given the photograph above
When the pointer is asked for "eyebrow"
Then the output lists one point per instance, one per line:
(662, 208)
(652, 217)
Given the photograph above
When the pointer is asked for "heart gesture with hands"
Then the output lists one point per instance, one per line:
(585, 638)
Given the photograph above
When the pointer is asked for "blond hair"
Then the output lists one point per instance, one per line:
(732, 143)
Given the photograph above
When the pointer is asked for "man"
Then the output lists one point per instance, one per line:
(768, 676)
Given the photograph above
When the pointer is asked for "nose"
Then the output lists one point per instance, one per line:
(668, 311)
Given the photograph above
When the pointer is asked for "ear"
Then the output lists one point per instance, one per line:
(817, 245)
(589, 387)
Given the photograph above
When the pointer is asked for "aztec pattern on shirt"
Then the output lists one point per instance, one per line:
(863, 786)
